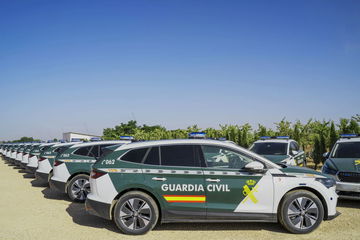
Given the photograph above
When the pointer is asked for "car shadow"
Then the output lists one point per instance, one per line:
(16, 167)
(39, 183)
(348, 203)
(54, 195)
(21, 170)
(28, 175)
(80, 216)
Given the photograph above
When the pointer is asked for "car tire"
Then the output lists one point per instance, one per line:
(78, 188)
(300, 211)
(142, 210)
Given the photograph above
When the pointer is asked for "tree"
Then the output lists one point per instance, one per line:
(333, 135)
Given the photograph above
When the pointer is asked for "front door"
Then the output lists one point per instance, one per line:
(231, 192)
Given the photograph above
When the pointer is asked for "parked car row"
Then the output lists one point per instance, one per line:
(140, 184)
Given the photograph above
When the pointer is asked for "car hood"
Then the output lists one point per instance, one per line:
(275, 158)
(346, 164)
(302, 170)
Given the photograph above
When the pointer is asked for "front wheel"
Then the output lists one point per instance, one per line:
(301, 211)
(136, 213)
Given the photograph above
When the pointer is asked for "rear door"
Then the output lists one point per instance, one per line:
(174, 173)
(231, 192)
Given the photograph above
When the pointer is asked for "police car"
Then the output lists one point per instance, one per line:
(26, 154)
(184, 180)
(72, 168)
(20, 153)
(11, 151)
(280, 149)
(35, 153)
(47, 158)
(343, 162)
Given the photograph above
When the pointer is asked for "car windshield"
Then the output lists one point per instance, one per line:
(269, 148)
(347, 150)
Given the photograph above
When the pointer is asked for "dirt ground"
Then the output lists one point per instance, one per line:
(29, 210)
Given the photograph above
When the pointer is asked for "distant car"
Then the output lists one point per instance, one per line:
(280, 149)
(343, 162)
(72, 168)
(20, 153)
(34, 155)
(47, 158)
(26, 154)
(200, 180)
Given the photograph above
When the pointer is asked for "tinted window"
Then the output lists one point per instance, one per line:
(135, 155)
(178, 155)
(102, 147)
(94, 152)
(224, 158)
(83, 151)
(270, 148)
(347, 150)
(153, 157)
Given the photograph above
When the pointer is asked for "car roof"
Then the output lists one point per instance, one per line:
(352, 139)
(194, 141)
(100, 142)
(65, 144)
(275, 140)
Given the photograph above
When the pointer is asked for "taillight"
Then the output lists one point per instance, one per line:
(95, 174)
(57, 163)
(41, 159)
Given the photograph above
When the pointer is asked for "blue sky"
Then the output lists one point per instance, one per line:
(87, 65)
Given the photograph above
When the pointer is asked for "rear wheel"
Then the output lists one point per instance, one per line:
(136, 213)
(301, 211)
(78, 188)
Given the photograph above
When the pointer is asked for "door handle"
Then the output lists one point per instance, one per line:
(159, 179)
(212, 180)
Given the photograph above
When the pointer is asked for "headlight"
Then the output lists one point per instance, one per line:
(327, 182)
(327, 170)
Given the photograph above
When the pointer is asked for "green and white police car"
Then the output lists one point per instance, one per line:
(140, 184)
(35, 153)
(20, 153)
(343, 162)
(47, 158)
(72, 168)
(280, 149)
(26, 154)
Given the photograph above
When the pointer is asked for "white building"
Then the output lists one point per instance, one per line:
(68, 136)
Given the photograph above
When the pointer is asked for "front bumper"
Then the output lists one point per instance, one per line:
(99, 209)
(347, 187)
(58, 186)
(42, 176)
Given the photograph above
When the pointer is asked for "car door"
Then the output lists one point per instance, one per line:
(233, 193)
(174, 173)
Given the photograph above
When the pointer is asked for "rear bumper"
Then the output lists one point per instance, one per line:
(31, 169)
(58, 186)
(22, 165)
(42, 176)
(99, 209)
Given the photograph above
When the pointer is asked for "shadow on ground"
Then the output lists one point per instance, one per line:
(54, 195)
(28, 175)
(39, 183)
(80, 216)
(348, 203)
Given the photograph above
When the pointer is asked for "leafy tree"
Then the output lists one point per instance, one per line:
(333, 135)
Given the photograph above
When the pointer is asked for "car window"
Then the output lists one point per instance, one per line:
(270, 148)
(102, 147)
(83, 151)
(347, 150)
(224, 158)
(94, 152)
(153, 157)
(135, 155)
(178, 155)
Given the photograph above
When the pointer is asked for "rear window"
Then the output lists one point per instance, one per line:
(347, 150)
(83, 151)
(178, 155)
(135, 155)
(270, 148)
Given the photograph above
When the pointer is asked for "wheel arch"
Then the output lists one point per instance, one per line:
(135, 189)
(72, 176)
(312, 190)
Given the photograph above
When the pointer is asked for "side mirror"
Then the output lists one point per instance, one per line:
(294, 152)
(326, 155)
(254, 167)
